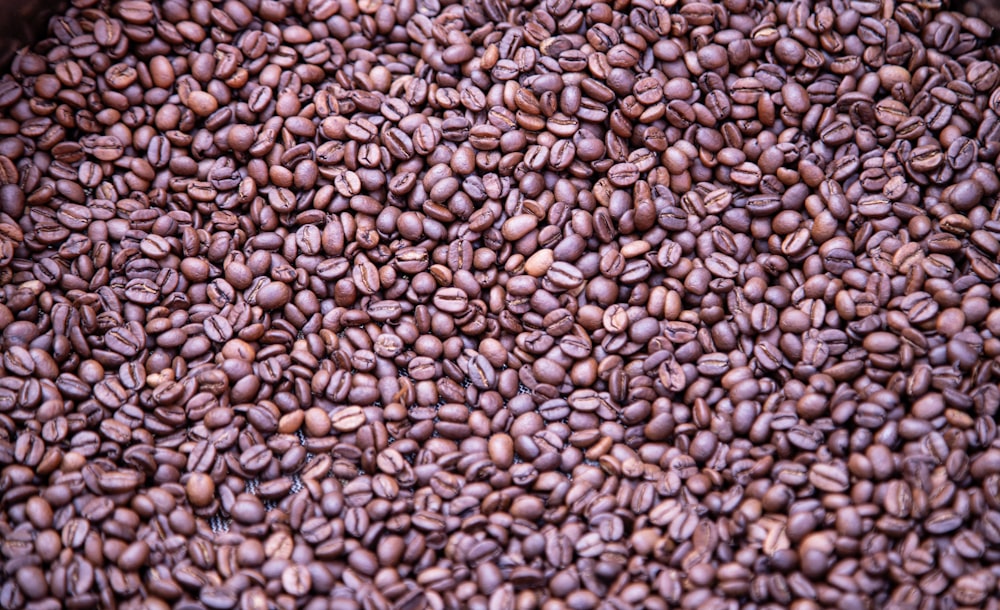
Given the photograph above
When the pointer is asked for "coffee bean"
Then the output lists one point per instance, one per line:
(829, 477)
(134, 556)
(451, 300)
(31, 580)
(296, 580)
(217, 597)
(200, 489)
(941, 522)
(273, 295)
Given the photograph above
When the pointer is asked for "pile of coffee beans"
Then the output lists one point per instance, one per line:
(497, 304)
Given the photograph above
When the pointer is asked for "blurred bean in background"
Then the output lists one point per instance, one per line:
(22, 22)
(987, 10)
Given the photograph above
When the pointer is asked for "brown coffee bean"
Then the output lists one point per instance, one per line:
(200, 489)
(829, 477)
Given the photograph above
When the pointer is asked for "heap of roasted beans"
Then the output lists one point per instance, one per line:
(501, 304)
